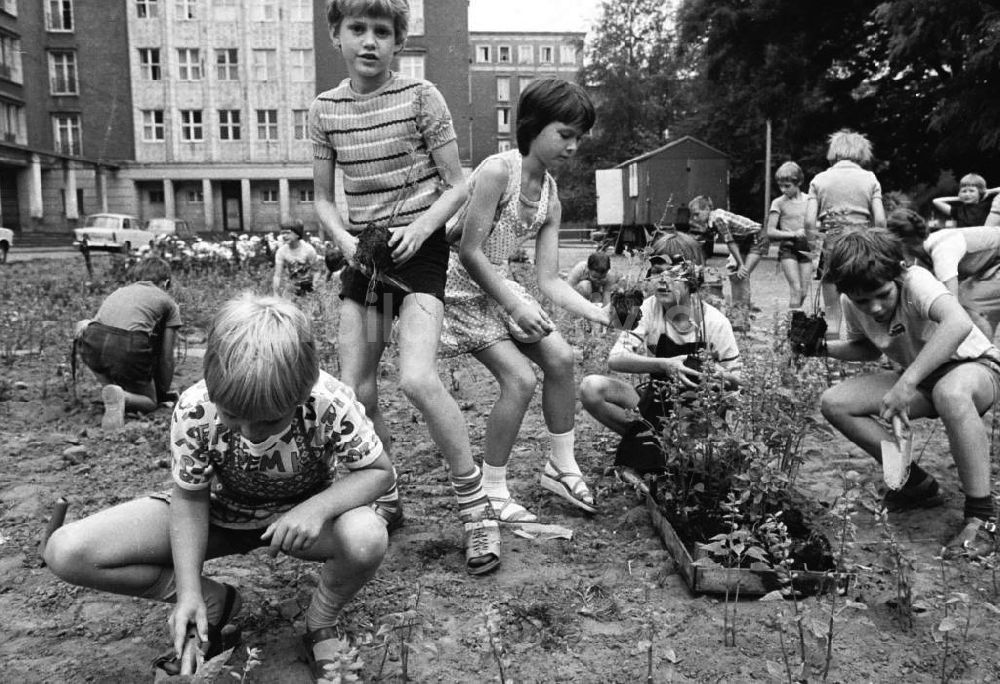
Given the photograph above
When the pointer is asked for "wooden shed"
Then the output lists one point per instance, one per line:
(639, 190)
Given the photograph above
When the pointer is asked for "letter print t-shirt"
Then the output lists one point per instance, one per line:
(255, 483)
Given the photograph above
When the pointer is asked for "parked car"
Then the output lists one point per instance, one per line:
(6, 242)
(124, 232)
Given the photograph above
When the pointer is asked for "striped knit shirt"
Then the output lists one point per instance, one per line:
(383, 142)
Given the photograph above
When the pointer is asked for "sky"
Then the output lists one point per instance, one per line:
(532, 15)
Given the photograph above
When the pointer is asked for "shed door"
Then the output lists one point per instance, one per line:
(708, 177)
(610, 210)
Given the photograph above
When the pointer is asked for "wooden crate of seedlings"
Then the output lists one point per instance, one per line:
(703, 575)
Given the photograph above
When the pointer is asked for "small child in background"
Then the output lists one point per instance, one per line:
(255, 448)
(295, 260)
(844, 197)
(594, 278)
(966, 260)
(971, 206)
(949, 370)
(129, 344)
(786, 222)
(746, 242)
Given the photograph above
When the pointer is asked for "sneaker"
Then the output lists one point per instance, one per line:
(482, 546)
(976, 538)
(113, 397)
(927, 494)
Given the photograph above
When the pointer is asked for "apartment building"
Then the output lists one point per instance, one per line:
(501, 65)
(64, 109)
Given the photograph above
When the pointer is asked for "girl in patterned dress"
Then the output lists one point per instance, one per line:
(255, 449)
(492, 317)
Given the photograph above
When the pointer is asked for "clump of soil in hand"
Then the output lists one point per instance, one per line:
(626, 309)
(373, 250)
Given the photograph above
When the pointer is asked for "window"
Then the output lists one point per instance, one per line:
(567, 54)
(59, 15)
(267, 124)
(149, 64)
(186, 9)
(525, 54)
(265, 65)
(482, 54)
(269, 196)
(302, 69)
(503, 145)
(503, 88)
(300, 124)
(156, 197)
(264, 10)
(188, 64)
(12, 123)
(412, 66)
(9, 6)
(62, 73)
(66, 133)
(191, 126)
(301, 10)
(633, 180)
(10, 58)
(152, 125)
(503, 54)
(229, 124)
(416, 17)
(195, 196)
(147, 9)
(226, 10)
(503, 120)
(545, 54)
(227, 64)
(524, 81)
(307, 195)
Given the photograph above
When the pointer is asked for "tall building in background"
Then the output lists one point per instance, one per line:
(65, 109)
(194, 109)
(501, 64)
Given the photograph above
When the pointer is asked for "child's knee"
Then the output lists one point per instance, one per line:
(420, 386)
(363, 538)
(65, 556)
(832, 404)
(591, 391)
(520, 381)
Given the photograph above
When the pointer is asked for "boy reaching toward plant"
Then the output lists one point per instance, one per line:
(393, 139)
(950, 371)
(255, 447)
(129, 344)
(594, 278)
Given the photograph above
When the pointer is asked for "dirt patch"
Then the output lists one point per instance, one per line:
(607, 606)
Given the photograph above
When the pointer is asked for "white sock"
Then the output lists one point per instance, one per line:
(495, 481)
(561, 455)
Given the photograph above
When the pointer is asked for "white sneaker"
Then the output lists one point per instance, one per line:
(114, 408)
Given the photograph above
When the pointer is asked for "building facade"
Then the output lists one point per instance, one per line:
(501, 65)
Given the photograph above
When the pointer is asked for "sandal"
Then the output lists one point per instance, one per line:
(569, 486)
(509, 511)
(976, 538)
(307, 645)
(221, 637)
(482, 546)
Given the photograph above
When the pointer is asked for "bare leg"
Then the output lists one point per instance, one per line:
(961, 397)
(790, 269)
(555, 357)
(361, 342)
(609, 400)
(517, 381)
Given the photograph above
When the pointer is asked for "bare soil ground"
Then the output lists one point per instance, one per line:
(607, 606)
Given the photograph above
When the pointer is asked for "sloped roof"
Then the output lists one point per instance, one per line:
(672, 143)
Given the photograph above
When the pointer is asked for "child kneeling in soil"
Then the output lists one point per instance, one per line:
(674, 327)
(255, 449)
(129, 344)
(950, 371)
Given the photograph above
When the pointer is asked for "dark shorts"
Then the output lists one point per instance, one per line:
(426, 273)
(793, 249)
(226, 541)
(756, 243)
(990, 362)
(125, 356)
(303, 287)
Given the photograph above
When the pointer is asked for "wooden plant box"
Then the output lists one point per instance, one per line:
(704, 576)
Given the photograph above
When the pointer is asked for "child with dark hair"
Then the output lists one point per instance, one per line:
(593, 278)
(129, 344)
(786, 222)
(966, 260)
(845, 197)
(255, 449)
(971, 206)
(294, 260)
(393, 139)
(746, 242)
(494, 318)
(950, 371)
